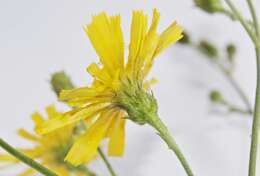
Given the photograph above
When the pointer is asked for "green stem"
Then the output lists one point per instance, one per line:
(232, 16)
(233, 83)
(243, 22)
(255, 39)
(237, 88)
(227, 13)
(256, 121)
(234, 108)
(30, 162)
(164, 133)
(254, 16)
(104, 158)
(240, 92)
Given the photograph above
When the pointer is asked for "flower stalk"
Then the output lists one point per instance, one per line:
(236, 87)
(240, 18)
(142, 107)
(254, 35)
(164, 133)
(256, 121)
(212, 53)
(30, 162)
(107, 163)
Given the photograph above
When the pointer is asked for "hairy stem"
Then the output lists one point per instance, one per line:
(164, 133)
(30, 162)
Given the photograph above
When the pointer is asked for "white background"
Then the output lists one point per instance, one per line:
(38, 38)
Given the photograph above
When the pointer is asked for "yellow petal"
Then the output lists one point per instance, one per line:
(7, 157)
(171, 35)
(52, 112)
(84, 149)
(60, 170)
(25, 134)
(27, 172)
(106, 37)
(150, 45)
(116, 143)
(149, 83)
(155, 21)
(70, 118)
(112, 125)
(37, 118)
(83, 92)
(150, 42)
(138, 31)
(82, 102)
(33, 153)
(118, 40)
(98, 73)
(98, 86)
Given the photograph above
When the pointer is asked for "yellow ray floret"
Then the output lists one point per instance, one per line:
(116, 83)
(49, 149)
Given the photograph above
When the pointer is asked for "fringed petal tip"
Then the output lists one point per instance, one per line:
(46, 127)
(26, 135)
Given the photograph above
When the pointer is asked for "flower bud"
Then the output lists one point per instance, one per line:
(208, 49)
(60, 81)
(215, 96)
(231, 51)
(210, 6)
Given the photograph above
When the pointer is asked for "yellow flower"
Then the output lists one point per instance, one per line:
(119, 90)
(49, 149)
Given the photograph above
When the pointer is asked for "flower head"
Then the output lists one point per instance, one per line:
(49, 149)
(119, 89)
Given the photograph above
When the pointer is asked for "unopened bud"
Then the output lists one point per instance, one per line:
(60, 81)
(231, 51)
(215, 96)
(208, 49)
(210, 6)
